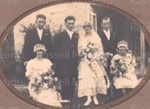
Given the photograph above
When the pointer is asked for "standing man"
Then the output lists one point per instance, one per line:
(109, 42)
(65, 45)
(37, 35)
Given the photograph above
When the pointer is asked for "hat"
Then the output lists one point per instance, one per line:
(87, 24)
(39, 47)
(122, 43)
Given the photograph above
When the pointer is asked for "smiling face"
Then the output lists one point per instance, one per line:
(70, 24)
(40, 23)
(39, 54)
(87, 29)
(122, 50)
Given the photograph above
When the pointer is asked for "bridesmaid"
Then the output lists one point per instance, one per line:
(123, 68)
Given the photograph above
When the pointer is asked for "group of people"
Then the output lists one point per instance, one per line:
(94, 62)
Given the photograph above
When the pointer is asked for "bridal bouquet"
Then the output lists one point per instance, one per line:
(90, 52)
(40, 80)
(96, 60)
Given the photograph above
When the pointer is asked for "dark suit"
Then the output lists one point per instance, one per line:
(66, 61)
(32, 39)
(109, 46)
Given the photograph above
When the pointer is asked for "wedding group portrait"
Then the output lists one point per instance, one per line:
(75, 54)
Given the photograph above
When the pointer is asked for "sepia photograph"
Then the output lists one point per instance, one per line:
(75, 55)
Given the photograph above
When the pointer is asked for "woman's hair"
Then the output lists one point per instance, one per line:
(44, 53)
(40, 50)
(39, 47)
(122, 43)
(87, 24)
(93, 33)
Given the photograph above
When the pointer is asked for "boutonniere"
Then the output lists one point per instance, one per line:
(114, 36)
(76, 36)
(46, 32)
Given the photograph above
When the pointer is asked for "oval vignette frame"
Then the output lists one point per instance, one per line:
(56, 2)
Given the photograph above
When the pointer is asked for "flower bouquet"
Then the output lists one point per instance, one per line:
(93, 56)
(120, 67)
(90, 52)
(40, 80)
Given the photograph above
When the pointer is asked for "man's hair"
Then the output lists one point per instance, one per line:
(70, 18)
(41, 16)
(105, 18)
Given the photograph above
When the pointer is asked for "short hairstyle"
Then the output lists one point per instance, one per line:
(87, 24)
(105, 18)
(70, 18)
(41, 16)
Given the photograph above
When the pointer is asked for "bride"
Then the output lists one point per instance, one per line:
(91, 72)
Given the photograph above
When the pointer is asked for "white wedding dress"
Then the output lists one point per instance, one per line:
(91, 82)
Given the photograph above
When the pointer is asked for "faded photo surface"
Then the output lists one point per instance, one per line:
(75, 55)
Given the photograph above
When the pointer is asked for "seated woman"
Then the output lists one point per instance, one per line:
(123, 68)
(39, 72)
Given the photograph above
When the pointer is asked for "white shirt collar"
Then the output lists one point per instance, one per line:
(107, 33)
(70, 33)
(40, 33)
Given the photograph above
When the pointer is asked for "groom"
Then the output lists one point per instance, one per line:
(65, 45)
